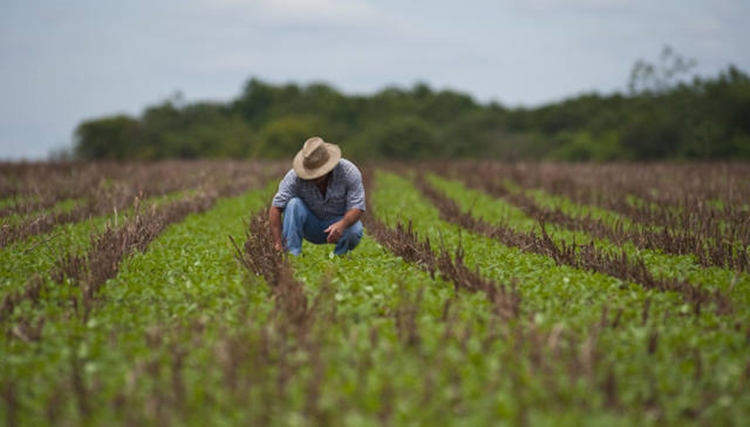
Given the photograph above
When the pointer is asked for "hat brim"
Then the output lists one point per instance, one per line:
(334, 155)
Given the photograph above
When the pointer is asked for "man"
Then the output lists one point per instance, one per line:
(322, 199)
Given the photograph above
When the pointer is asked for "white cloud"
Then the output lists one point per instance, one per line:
(703, 26)
(299, 11)
(575, 5)
(323, 10)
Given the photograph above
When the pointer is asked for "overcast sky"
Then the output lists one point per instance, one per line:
(68, 61)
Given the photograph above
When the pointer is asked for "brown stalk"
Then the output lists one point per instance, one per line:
(588, 257)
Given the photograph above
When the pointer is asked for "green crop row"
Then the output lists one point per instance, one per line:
(187, 277)
(37, 254)
(183, 335)
(694, 365)
(683, 267)
(64, 206)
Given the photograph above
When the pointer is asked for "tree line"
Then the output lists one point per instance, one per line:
(664, 115)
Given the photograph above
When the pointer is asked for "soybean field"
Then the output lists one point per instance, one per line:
(483, 293)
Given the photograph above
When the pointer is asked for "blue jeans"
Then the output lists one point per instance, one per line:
(300, 223)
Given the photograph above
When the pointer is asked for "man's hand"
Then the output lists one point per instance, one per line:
(335, 231)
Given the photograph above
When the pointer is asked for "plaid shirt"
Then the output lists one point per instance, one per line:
(345, 191)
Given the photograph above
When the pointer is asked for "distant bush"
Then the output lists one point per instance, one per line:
(664, 116)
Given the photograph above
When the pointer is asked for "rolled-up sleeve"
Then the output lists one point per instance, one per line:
(355, 194)
(287, 190)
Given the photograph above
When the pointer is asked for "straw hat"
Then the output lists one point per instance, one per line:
(316, 158)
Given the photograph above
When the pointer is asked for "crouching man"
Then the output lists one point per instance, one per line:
(322, 199)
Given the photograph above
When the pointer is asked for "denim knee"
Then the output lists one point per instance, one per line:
(350, 239)
(294, 204)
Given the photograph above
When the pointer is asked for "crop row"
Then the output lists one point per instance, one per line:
(617, 185)
(429, 321)
(82, 329)
(716, 237)
(610, 260)
(26, 187)
(657, 322)
(56, 195)
(643, 353)
(708, 201)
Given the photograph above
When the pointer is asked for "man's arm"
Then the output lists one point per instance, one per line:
(336, 230)
(287, 190)
(274, 222)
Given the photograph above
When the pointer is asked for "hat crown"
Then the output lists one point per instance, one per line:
(316, 158)
(314, 153)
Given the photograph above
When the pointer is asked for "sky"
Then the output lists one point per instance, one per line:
(64, 62)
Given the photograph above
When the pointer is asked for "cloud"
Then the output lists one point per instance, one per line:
(297, 39)
(318, 10)
(323, 12)
(549, 6)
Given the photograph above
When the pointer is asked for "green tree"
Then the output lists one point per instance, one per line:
(216, 137)
(282, 137)
(583, 146)
(255, 102)
(663, 116)
(405, 138)
(111, 138)
(651, 138)
(157, 124)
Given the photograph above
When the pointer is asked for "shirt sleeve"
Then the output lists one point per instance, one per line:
(287, 190)
(355, 190)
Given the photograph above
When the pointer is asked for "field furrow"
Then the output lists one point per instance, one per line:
(710, 250)
(457, 307)
(119, 190)
(700, 287)
(185, 279)
(644, 321)
(707, 201)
